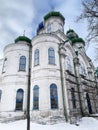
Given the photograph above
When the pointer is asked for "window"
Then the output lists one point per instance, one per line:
(19, 99)
(22, 64)
(73, 97)
(36, 97)
(4, 65)
(68, 63)
(61, 27)
(49, 28)
(53, 96)
(82, 69)
(0, 94)
(51, 56)
(36, 57)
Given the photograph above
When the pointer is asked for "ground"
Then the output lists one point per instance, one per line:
(86, 123)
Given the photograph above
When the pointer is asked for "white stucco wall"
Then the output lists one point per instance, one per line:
(13, 79)
(46, 74)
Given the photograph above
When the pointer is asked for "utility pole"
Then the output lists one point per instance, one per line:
(28, 90)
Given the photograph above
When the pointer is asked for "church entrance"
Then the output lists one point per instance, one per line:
(89, 103)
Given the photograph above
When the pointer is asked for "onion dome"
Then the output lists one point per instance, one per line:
(23, 38)
(53, 14)
(71, 35)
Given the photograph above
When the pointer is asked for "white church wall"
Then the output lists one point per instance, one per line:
(13, 79)
(46, 74)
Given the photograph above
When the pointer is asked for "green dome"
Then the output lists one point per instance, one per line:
(54, 14)
(71, 35)
(70, 30)
(22, 38)
(78, 40)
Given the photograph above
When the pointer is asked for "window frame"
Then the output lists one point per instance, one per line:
(36, 57)
(53, 96)
(73, 98)
(82, 69)
(19, 101)
(4, 65)
(22, 63)
(68, 63)
(36, 97)
(49, 28)
(51, 56)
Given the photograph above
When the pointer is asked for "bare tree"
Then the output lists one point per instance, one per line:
(90, 13)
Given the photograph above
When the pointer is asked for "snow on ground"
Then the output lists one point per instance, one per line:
(84, 124)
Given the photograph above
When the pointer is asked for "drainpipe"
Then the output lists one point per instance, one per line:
(76, 70)
(62, 84)
(28, 89)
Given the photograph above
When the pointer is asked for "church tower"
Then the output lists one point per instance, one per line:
(53, 21)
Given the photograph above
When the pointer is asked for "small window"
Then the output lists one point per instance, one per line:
(82, 69)
(0, 95)
(53, 96)
(51, 56)
(68, 63)
(36, 57)
(22, 64)
(36, 97)
(73, 97)
(49, 28)
(61, 27)
(19, 99)
(4, 65)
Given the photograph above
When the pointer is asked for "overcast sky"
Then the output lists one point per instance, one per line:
(19, 15)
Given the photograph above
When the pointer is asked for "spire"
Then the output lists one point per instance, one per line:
(52, 8)
(24, 33)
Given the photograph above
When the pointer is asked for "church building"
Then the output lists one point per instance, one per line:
(51, 72)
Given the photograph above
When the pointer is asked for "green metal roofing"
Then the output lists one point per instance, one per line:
(78, 40)
(23, 38)
(74, 37)
(54, 14)
(70, 30)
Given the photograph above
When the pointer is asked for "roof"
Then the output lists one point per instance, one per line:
(72, 35)
(54, 14)
(22, 38)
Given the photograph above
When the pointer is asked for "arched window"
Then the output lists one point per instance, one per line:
(49, 28)
(36, 57)
(0, 94)
(4, 65)
(36, 97)
(68, 63)
(89, 103)
(73, 97)
(19, 99)
(53, 96)
(22, 64)
(51, 56)
(61, 27)
(82, 69)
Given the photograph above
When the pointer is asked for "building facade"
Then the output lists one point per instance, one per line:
(53, 70)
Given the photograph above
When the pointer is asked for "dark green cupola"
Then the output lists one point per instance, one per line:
(73, 37)
(23, 38)
(53, 14)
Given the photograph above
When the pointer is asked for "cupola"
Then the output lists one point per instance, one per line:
(73, 37)
(23, 39)
(52, 22)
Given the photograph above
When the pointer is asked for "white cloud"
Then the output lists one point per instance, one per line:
(19, 15)
(15, 17)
